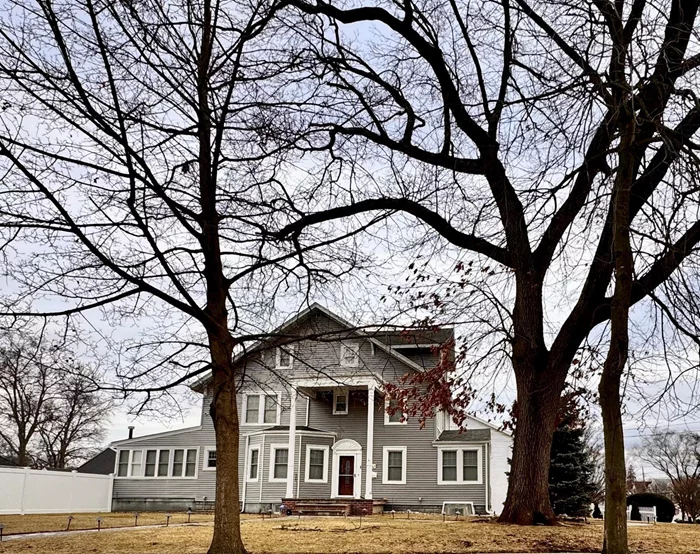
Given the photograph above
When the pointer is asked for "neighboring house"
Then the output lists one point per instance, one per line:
(7, 462)
(309, 440)
(101, 464)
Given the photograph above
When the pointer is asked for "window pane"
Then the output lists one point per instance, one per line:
(123, 468)
(253, 464)
(281, 457)
(395, 466)
(471, 470)
(349, 354)
(449, 465)
(316, 464)
(136, 463)
(150, 463)
(191, 464)
(211, 459)
(341, 403)
(396, 416)
(163, 460)
(285, 358)
(270, 409)
(252, 409)
(178, 459)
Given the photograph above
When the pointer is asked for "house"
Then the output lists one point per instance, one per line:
(316, 433)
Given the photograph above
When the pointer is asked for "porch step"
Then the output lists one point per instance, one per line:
(322, 508)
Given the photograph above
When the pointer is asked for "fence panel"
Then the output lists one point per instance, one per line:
(38, 491)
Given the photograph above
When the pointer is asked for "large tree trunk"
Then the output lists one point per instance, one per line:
(224, 412)
(527, 502)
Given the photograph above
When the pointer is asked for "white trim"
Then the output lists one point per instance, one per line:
(387, 400)
(340, 381)
(344, 347)
(278, 362)
(341, 392)
(261, 408)
(248, 465)
(270, 433)
(369, 462)
(205, 458)
(460, 465)
(326, 450)
(292, 443)
(273, 449)
(385, 464)
(158, 450)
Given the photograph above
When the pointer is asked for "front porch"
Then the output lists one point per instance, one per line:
(334, 506)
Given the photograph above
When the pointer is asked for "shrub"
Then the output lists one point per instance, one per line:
(665, 508)
(597, 514)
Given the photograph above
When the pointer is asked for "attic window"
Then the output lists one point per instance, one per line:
(285, 358)
(340, 402)
(350, 354)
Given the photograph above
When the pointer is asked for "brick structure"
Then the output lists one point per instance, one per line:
(351, 506)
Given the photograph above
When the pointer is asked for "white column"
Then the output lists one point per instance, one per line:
(370, 442)
(292, 442)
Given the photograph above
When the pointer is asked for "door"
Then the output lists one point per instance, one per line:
(346, 476)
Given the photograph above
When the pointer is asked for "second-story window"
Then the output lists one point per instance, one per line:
(262, 409)
(340, 402)
(284, 358)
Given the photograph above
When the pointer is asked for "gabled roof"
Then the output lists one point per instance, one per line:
(318, 308)
(468, 435)
(101, 464)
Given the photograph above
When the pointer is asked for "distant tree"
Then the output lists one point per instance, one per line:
(51, 413)
(686, 493)
(631, 480)
(571, 470)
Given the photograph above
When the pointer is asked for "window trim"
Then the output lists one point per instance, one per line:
(326, 454)
(261, 408)
(248, 465)
(344, 346)
(387, 400)
(171, 458)
(205, 458)
(385, 464)
(460, 464)
(273, 450)
(343, 391)
(278, 358)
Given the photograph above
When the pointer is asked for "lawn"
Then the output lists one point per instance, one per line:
(378, 534)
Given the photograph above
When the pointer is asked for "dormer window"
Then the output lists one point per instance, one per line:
(350, 354)
(340, 402)
(285, 357)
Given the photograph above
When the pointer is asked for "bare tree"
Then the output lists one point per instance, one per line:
(138, 183)
(686, 493)
(536, 140)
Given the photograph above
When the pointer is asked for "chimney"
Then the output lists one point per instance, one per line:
(131, 431)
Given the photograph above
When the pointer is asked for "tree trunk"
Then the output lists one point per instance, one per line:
(527, 502)
(224, 412)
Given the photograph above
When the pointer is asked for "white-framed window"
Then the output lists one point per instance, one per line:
(316, 463)
(284, 357)
(262, 408)
(340, 401)
(398, 417)
(209, 463)
(350, 354)
(459, 465)
(279, 458)
(253, 469)
(394, 461)
(171, 463)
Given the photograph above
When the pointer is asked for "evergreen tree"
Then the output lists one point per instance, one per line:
(571, 471)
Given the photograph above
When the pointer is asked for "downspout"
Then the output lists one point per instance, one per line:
(245, 471)
(299, 464)
(308, 403)
(487, 482)
(262, 469)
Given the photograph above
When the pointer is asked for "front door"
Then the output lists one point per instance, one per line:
(346, 476)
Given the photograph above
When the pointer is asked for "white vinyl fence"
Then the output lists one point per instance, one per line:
(38, 491)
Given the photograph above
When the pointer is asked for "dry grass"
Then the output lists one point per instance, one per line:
(378, 535)
(35, 523)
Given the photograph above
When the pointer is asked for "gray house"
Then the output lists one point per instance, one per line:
(317, 434)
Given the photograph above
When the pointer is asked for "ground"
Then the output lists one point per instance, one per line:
(374, 535)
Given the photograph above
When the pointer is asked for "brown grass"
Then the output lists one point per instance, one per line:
(377, 535)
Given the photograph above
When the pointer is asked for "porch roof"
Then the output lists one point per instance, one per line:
(469, 435)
